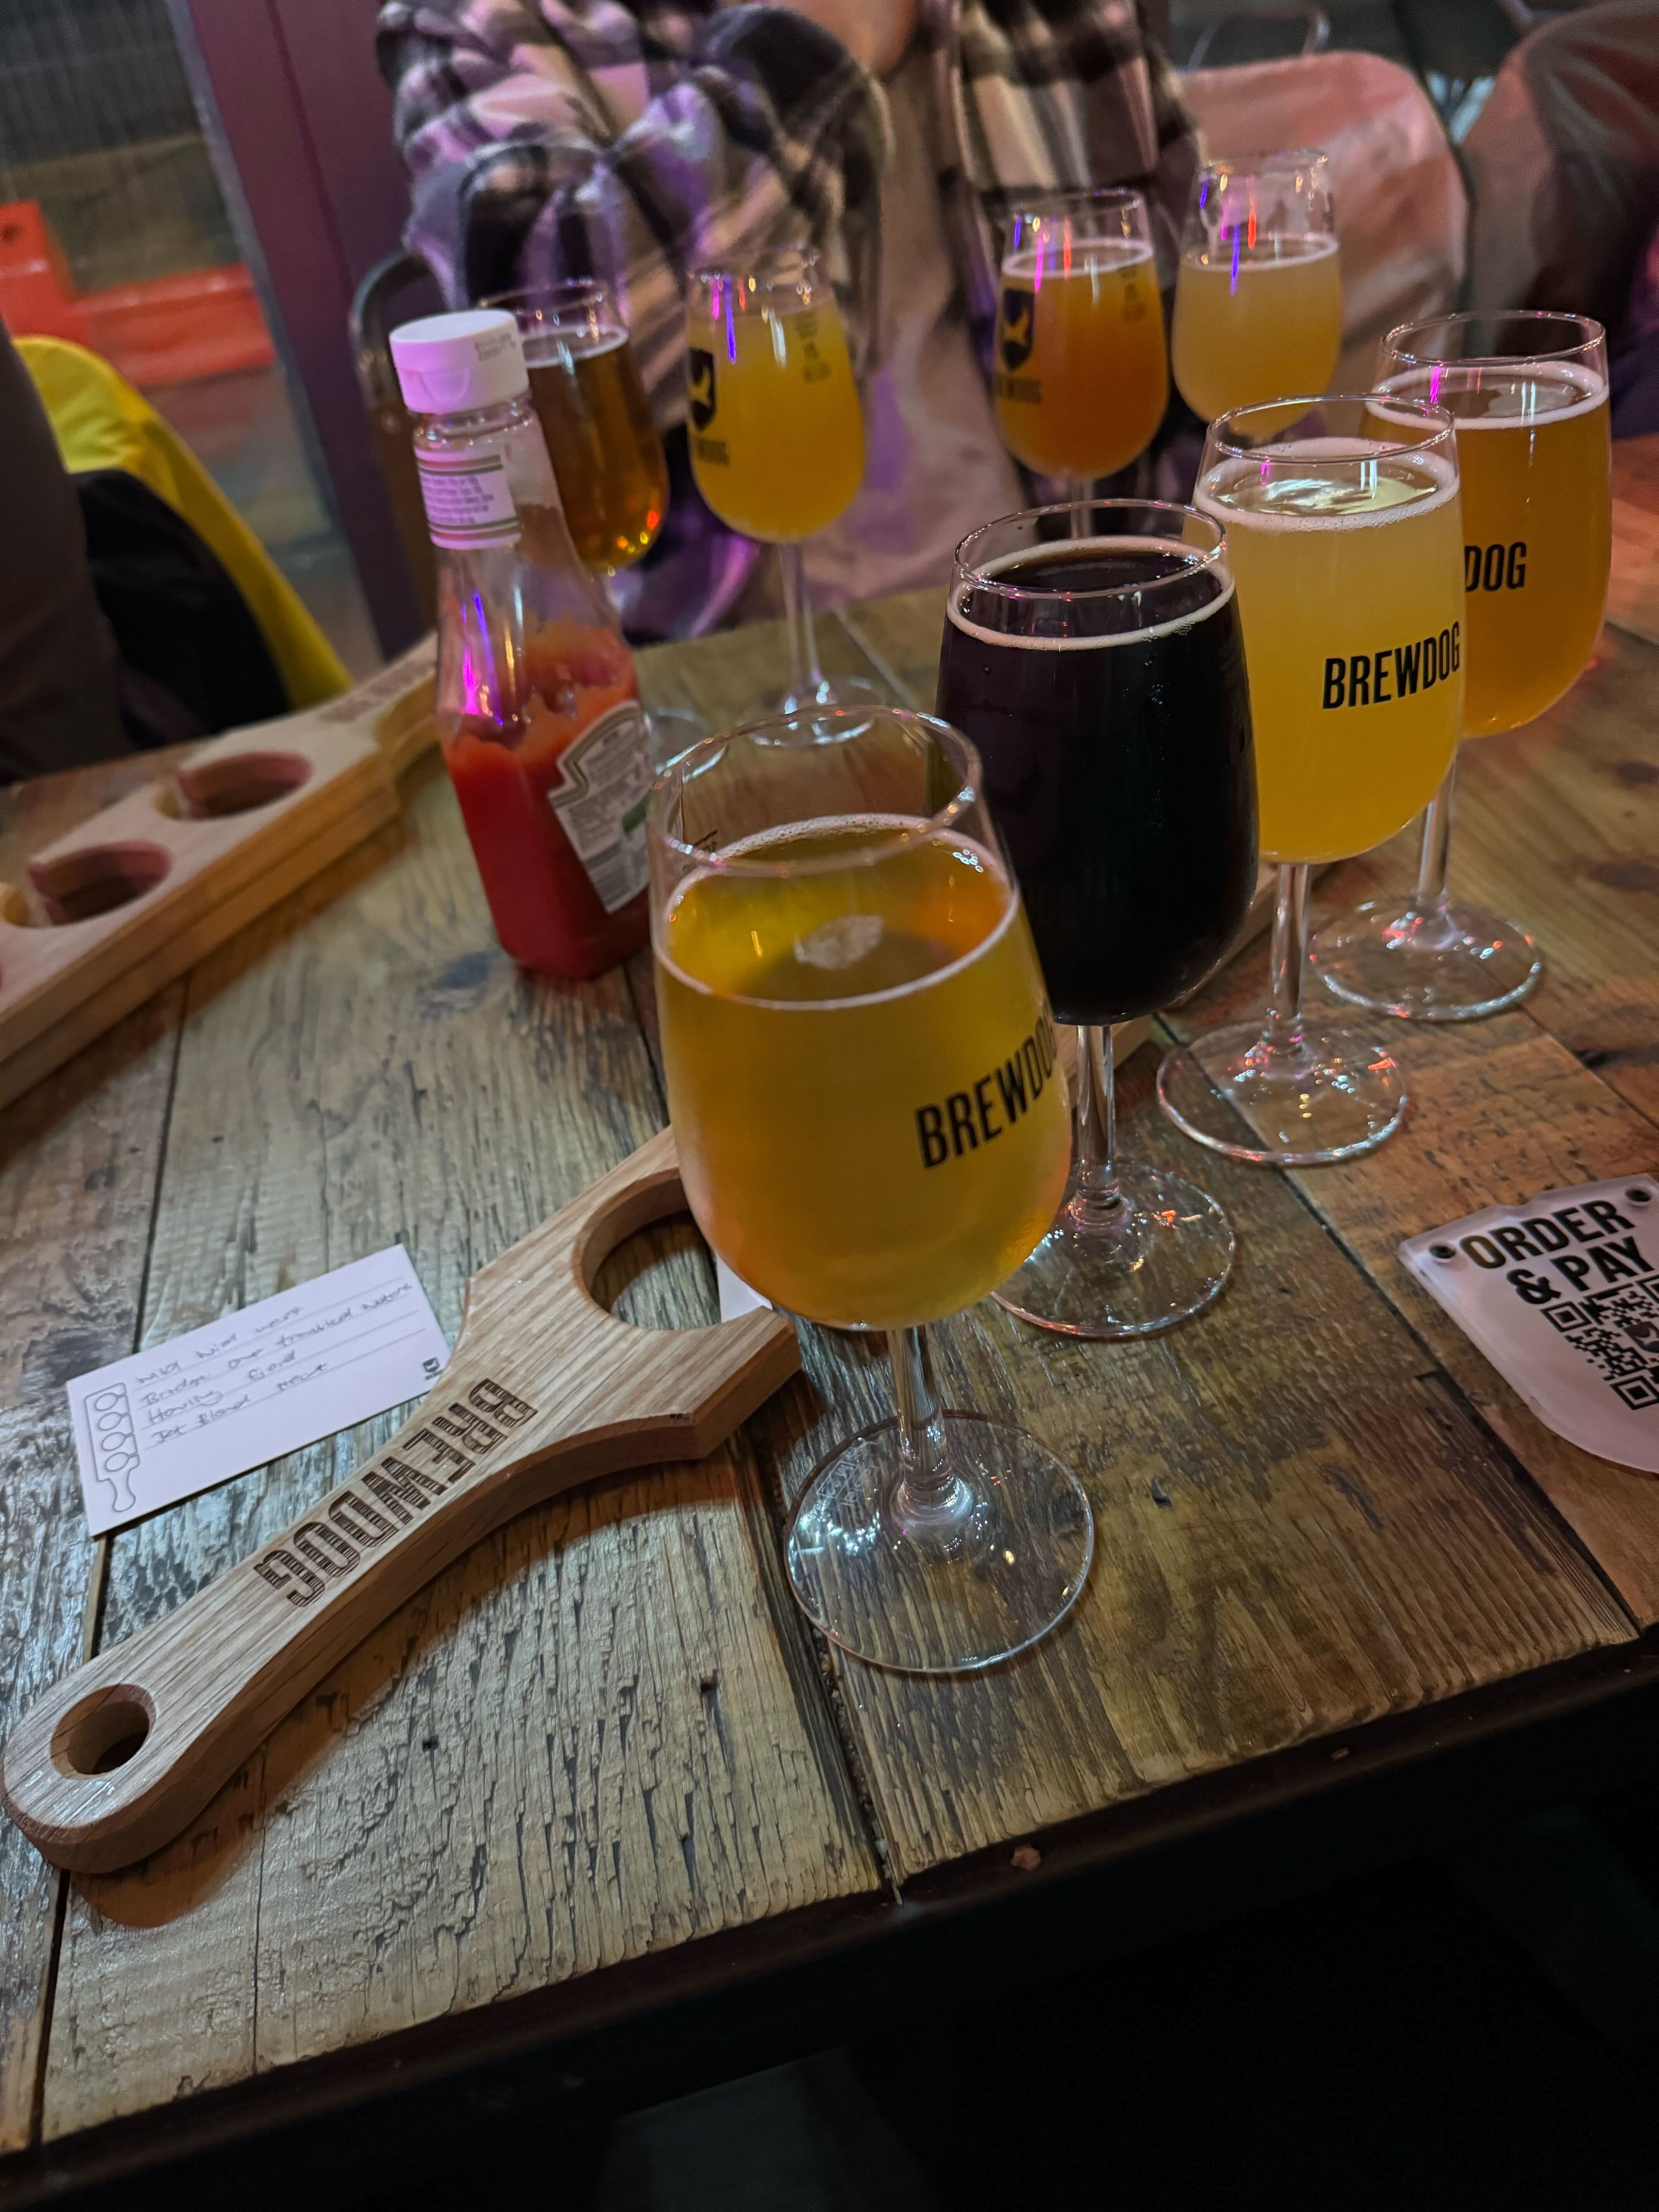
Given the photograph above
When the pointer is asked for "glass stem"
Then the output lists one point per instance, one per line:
(1431, 896)
(1094, 1130)
(1078, 488)
(1288, 957)
(928, 1491)
(806, 677)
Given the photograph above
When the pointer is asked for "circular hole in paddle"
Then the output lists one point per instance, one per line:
(77, 886)
(237, 783)
(661, 1277)
(103, 1733)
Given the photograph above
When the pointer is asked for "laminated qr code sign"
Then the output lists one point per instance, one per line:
(1562, 1295)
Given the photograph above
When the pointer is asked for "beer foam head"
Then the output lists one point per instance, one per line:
(1237, 491)
(1005, 568)
(1524, 391)
(1043, 264)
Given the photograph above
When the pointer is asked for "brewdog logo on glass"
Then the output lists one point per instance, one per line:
(1389, 673)
(964, 1120)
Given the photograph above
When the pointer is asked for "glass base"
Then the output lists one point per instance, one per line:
(1125, 1265)
(954, 1588)
(830, 691)
(1329, 1094)
(1444, 964)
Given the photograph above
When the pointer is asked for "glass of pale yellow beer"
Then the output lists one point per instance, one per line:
(1258, 308)
(1348, 555)
(872, 1134)
(1080, 380)
(776, 427)
(1528, 391)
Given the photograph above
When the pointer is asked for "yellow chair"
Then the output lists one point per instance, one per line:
(101, 421)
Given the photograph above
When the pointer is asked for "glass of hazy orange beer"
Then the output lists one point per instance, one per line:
(1258, 307)
(1347, 557)
(776, 425)
(872, 1132)
(1081, 378)
(1528, 391)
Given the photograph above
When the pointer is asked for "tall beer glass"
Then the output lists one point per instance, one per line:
(1258, 306)
(586, 387)
(1102, 679)
(1530, 394)
(861, 1079)
(777, 431)
(1081, 380)
(1348, 553)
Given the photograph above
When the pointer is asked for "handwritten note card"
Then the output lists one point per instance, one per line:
(279, 1375)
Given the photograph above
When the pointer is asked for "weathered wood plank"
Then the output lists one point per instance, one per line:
(78, 1162)
(1558, 827)
(586, 1740)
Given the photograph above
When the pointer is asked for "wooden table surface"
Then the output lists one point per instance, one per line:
(1325, 1524)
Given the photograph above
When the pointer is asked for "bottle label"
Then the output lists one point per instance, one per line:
(469, 502)
(605, 779)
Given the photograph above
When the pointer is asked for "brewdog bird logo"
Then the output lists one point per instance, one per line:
(1018, 318)
(700, 384)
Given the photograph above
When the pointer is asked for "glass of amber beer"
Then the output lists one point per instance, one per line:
(586, 387)
(1258, 307)
(1528, 391)
(1081, 380)
(1347, 557)
(872, 1132)
(776, 427)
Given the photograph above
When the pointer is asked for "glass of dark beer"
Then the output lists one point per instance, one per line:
(1092, 653)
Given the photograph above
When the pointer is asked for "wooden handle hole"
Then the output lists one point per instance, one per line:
(77, 886)
(237, 783)
(103, 1732)
(650, 1276)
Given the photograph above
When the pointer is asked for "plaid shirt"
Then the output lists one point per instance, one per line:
(549, 138)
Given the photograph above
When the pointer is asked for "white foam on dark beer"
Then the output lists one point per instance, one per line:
(1236, 469)
(1062, 548)
(829, 826)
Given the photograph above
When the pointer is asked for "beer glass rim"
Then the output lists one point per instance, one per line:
(768, 269)
(964, 573)
(1064, 197)
(1592, 335)
(1219, 446)
(1264, 162)
(564, 291)
(810, 723)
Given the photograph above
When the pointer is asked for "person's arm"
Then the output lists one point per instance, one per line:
(545, 143)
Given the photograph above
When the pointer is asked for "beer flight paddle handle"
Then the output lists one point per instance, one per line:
(543, 1390)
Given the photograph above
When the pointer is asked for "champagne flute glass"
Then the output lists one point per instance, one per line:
(1103, 681)
(1348, 553)
(588, 394)
(1081, 378)
(1530, 394)
(1258, 307)
(777, 429)
(861, 1080)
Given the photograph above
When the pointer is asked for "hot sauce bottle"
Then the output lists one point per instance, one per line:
(537, 702)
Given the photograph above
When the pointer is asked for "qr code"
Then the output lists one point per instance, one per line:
(1617, 1332)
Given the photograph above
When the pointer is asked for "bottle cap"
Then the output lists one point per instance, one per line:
(449, 364)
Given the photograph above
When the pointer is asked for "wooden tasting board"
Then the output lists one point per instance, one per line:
(176, 872)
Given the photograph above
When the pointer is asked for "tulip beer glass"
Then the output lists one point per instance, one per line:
(1348, 553)
(1530, 395)
(861, 1080)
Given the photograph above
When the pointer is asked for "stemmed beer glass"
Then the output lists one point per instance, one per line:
(1102, 678)
(1258, 306)
(1347, 554)
(1081, 378)
(861, 1080)
(1529, 393)
(776, 427)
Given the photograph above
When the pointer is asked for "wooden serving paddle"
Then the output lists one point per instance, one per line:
(543, 1390)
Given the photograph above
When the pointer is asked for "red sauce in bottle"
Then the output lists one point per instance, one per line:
(542, 900)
